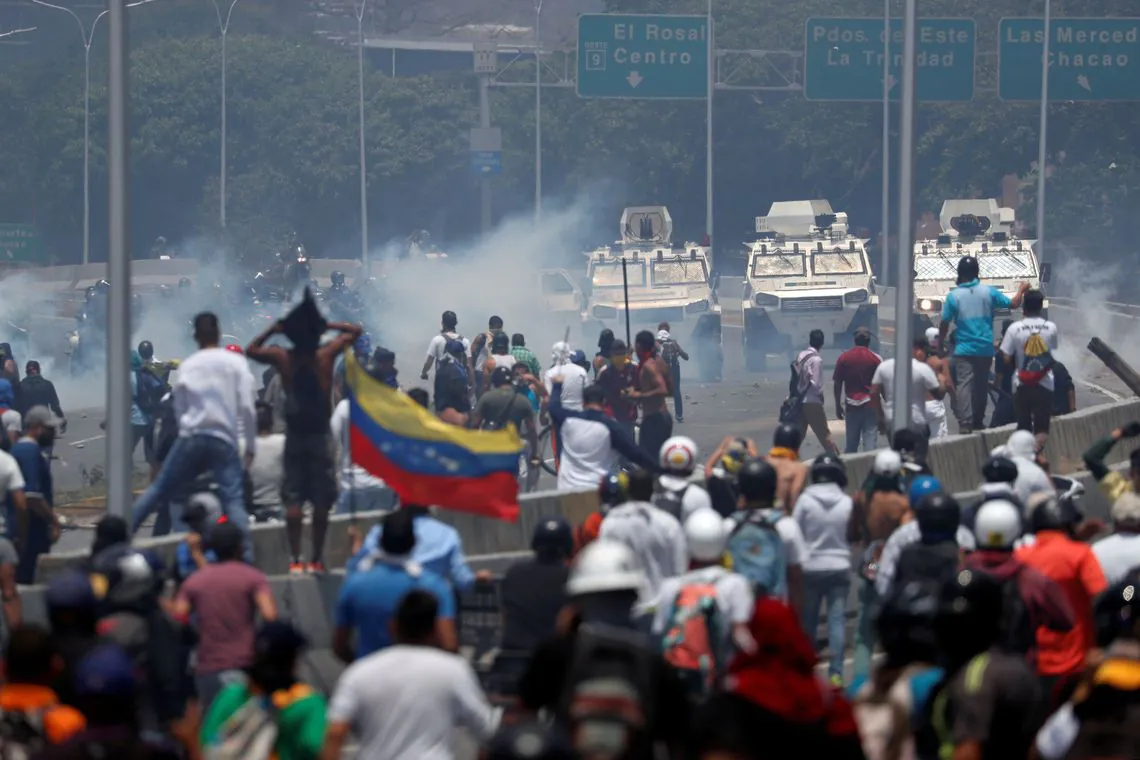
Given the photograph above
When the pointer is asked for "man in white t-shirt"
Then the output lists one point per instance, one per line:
(923, 380)
(574, 378)
(436, 352)
(1028, 348)
(405, 701)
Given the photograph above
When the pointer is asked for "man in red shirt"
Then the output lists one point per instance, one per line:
(853, 372)
(617, 377)
(1072, 566)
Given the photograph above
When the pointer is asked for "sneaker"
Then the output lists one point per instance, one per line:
(297, 568)
(315, 568)
(680, 419)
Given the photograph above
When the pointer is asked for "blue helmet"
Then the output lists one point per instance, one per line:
(922, 486)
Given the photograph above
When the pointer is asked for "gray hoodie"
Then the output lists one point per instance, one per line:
(822, 512)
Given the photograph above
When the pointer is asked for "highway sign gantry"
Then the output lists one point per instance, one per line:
(1089, 58)
(643, 56)
(843, 59)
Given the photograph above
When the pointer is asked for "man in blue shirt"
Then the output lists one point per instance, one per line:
(34, 529)
(371, 595)
(970, 306)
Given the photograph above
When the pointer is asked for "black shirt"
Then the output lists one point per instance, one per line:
(1062, 384)
(531, 596)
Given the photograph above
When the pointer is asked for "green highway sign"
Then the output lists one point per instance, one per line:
(1089, 58)
(20, 242)
(640, 56)
(843, 59)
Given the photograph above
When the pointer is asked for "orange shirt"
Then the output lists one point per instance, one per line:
(1072, 566)
(60, 721)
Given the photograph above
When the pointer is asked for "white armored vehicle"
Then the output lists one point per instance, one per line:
(667, 282)
(805, 272)
(981, 229)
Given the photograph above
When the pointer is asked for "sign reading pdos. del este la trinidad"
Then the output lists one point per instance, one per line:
(635, 56)
(1089, 58)
(843, 59)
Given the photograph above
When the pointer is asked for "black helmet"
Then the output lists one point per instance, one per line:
(184, 283)
(787, 436)
(829, 469)
(102, 286)
(146, 350)
(938, 516)
(553, 537)
(123, 577)
(1116, 612)
(906, 622)
(605, 339)
(614, 489)
(999, 470)
(1047, 512)
(970, 607)
(967, 269)
(756, 481)
(337, 279)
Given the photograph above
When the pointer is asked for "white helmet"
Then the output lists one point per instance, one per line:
(679, 454)
(560, 352)
(706, 535)
(888, 462)
(605, 565)
(1022, 444)
(932, 336)
(997, 525)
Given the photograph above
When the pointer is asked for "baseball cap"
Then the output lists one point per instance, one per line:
(278, 640)
(501, 376)
(71, 589)
(41, 415)
(553, 535)
(107, 671)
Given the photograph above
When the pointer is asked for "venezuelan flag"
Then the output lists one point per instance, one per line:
(425, 460)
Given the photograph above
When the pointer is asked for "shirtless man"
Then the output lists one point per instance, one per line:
(307, 376)
(936, 408)
(784, 456)
(651, 392)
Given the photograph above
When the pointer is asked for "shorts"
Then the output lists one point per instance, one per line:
(814, 417)
(309, 470)
(1032, 408)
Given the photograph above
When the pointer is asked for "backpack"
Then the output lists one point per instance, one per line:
(671, 501)
(669, 352)
(248, 734)
(693, 636)
(758, 553)
(1036, 361)
(22, 734)
(607, 700)
(927, 562)
(151, 391)
(792, 407)
(1018, 633)
(886, 721)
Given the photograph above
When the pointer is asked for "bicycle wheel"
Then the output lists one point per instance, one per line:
(546, 450)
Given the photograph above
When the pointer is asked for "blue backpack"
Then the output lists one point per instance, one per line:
(758, 552)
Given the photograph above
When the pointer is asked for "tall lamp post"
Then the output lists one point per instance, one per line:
(88, 36)
(537, 110)
(363, 159)
(224, 27)
(1043, 118)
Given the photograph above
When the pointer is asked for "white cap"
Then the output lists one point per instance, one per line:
(705, 535)
(678, 454)
(605, 565)
(932, 336)
(1126, 508)
(1022, 444)
(888, 462)
(997, 525)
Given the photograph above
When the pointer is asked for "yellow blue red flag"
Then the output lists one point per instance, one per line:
(427, 461)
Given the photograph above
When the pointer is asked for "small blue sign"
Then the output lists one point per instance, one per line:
(486, 162)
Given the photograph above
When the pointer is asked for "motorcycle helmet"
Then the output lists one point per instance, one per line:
(756, 481)
(678, 455)
(337, 279)
(921, 486)
(705, 535)
(734, 456)
(828, 469)
(605, 567)
(613, 489)
(1116, 612)
(968, 269)
(999, 470)
(787, 437)
(578, 358)
(938, 516)
(997, 524)
(970, 607)
(146, 350)
(123, 577)
(1048, 512)
(553, 537)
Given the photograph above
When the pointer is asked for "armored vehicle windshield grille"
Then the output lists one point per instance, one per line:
(825, 303)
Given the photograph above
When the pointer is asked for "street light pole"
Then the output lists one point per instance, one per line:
(363, 158)
(537, 110)
(224, 27)
(1043, 125)
(904, 324)
(884, 253)
(709, 125)
(88, 36)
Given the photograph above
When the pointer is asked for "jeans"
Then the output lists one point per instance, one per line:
(209, 684)
(973, 380)
(353, 500)
(189, 457)
(862, 427)
(830, 586)
(655, 430)
(678, 401)
(865, 635)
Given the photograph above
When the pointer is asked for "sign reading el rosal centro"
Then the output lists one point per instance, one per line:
(643, 56)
